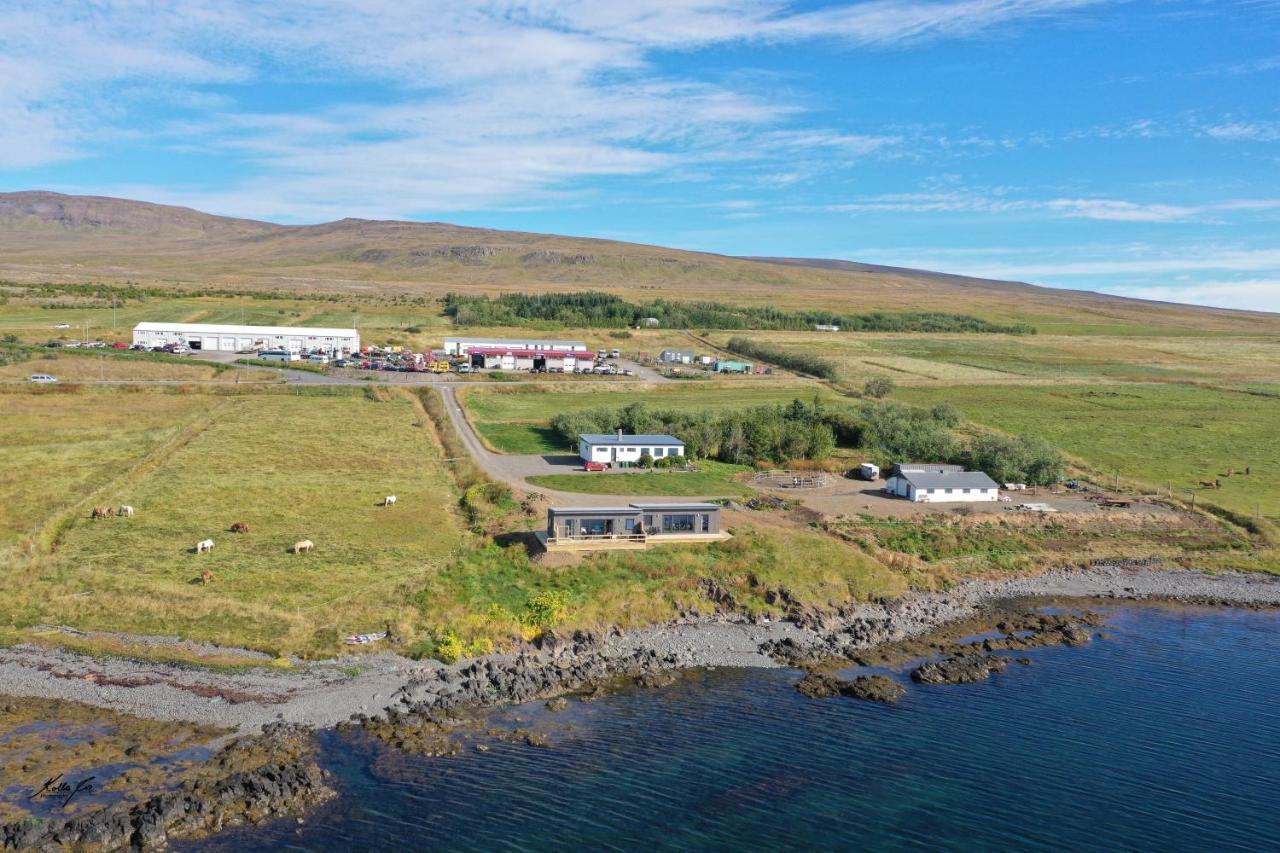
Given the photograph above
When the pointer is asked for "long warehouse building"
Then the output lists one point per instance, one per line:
(226, 338)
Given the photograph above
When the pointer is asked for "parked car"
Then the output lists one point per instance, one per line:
(63, 326)
(464, 368)
(43, 378)
(318, 358)
(596, 466)
(54, 344)
(119, 345)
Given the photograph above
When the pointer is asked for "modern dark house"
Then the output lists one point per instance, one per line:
(633, 526)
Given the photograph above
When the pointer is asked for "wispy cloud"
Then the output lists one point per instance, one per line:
(478, 102)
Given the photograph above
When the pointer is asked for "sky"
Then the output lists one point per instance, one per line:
(1127, 146)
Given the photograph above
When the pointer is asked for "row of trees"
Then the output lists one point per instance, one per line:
(603, 310)
(786, 433)
(903, 433)
(776, 434)
(801, 362)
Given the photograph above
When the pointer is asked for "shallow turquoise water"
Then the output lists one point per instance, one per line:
(1166, 736)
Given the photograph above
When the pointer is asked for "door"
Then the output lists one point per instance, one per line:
(227, 344)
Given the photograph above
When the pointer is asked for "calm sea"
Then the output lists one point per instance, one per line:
(1164, 736)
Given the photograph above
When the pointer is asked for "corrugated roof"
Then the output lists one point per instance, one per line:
(949, 480)
(614, 438)
(594, 510)
(513, 342)
(221, 329)
(696, 506)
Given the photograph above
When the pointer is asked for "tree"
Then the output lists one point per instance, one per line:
(878, 386)
(945, 413)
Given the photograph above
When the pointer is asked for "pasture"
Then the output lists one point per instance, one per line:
(291, 466)
(515, 420)
(712, 479)
(113, 365)
(933, 359)
(1153, 433)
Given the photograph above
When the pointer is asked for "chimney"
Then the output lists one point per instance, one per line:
(619, 435)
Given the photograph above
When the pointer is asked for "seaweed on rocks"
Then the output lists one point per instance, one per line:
(251, 780)
(874, 688)
(960, 669)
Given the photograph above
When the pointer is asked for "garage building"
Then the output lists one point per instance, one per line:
(226, 338)
(462, 346)
(934, 486)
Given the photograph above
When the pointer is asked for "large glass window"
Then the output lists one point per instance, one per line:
(682, 523)
(595, 526)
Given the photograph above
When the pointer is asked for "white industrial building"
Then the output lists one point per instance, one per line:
(227, 338)
(626, 450)
(462, 346)
(553, 361)
(936, 485)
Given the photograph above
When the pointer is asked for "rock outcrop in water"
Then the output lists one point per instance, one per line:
(279, 777)
(875, 688)
(961, 669)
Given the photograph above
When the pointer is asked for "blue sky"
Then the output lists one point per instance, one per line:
(1130, 147)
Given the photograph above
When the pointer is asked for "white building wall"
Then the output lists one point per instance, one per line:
(625, 452)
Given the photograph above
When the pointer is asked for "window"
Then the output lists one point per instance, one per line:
(631, 525)
(949, 491)
(595, 526)
(682, 523)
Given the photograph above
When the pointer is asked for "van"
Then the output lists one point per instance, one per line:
(43, 378)
(318, 358)
(279, 355)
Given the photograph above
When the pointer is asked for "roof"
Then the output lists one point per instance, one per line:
(520, 343)
(219, 328)
(614, 438)
(679, 351)
(948, 479)
(690, 506)
(526, 353)
(925, 467)
(593, 510)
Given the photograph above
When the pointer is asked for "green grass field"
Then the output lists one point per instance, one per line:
(1158, 433)
(312, 466)
(516, 421)
(713, 479)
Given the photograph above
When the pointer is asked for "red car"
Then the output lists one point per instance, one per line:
(119, 345)
(596, 466)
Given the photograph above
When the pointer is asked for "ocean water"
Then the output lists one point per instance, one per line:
(1165, 735)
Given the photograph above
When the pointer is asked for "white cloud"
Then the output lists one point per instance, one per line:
(1245, 131)
(1262, 294)
(475, 103)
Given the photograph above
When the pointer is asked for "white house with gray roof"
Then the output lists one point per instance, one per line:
(942, 486)
(626, 450)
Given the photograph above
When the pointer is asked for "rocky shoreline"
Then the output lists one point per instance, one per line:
(250, 780)
(414, 706)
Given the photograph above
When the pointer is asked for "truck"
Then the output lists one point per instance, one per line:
(440, 366)
(868, 471)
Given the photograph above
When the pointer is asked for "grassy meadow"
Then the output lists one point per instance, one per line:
(292, 466)
(1153, 433)
(78, 365)
(516, 420)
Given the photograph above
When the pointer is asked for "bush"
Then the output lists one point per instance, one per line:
(646, 461)
(878, 386)
(544, 610)
(945, 413)
(1017, 459)
(666, 462)
(798, 361)
(449, 647)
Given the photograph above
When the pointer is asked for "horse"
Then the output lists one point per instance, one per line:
(125, 511)
(239, 527)
(303, 546)
(205, 577)
(103, 512)
(204, 545)
(389, 500)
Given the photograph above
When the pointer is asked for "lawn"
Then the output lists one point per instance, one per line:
(106, 365)
(313, 465)
(713, 479)
(1158, 433)
(516, 420)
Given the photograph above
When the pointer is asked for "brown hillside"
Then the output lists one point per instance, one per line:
(52, 237)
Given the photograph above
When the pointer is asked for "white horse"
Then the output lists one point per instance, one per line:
(303, 546)
(125, 511)
(389, 500)
(204, 545)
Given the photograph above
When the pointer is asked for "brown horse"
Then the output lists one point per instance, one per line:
(103, 512)
(206, 577)
(239, 527)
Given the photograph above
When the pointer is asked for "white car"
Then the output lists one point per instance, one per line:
(43, 378)
(63, 326)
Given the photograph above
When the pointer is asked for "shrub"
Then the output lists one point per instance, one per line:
(449, 647)
(945, 413)
(797, 361)
(646, 461)
(878, 386)
(544, 610)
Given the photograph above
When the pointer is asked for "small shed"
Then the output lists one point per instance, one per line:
(726, 366)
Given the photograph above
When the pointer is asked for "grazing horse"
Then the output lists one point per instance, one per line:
(303, 546)
(204, 545)
(389, 500)
(239, 527)
(205, 577)
(103, 512)
(125, 511)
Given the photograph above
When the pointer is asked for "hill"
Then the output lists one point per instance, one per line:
(47, 236)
